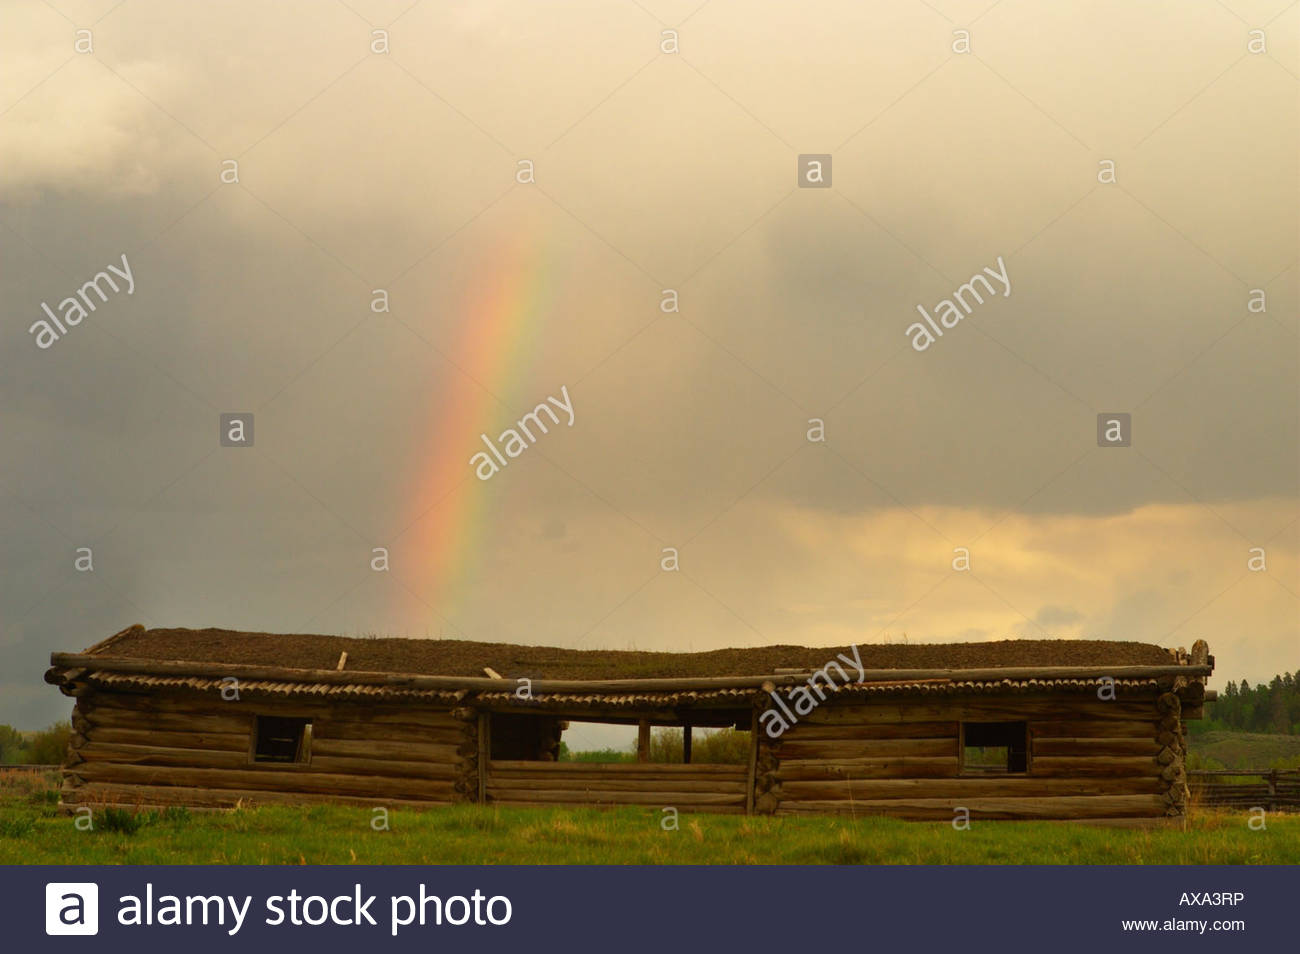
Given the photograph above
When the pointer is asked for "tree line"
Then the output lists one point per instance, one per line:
(47, 747)
(1274, 707)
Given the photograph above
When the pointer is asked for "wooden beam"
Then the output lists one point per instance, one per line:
(528, 767)
(492, 673)
(655, 798)
(812, 770)
(988, 707)
(643, 741)
(343, 661)
(753, 762)
(212, 670)
(721, 716)
(990, 787)
(273, 777)
(941, 809)
(834, 749)
(144, 795)
(484, 754)
(647, 784)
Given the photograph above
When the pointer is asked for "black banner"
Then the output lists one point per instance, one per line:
(660, 909)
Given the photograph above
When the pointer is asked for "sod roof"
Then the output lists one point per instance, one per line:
(455, 657)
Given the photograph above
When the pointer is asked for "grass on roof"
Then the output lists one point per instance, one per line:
(453, 657)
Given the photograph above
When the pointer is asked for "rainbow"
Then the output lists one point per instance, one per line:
(504, 304)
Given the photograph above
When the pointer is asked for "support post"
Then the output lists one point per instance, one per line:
(484, 754)
(643, 741)
(753, 762)
(686, 744)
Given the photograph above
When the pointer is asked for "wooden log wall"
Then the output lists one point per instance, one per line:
(173, 749)
(695, 787)
(1088, 758)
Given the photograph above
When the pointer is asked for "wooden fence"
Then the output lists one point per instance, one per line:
(1277, 790)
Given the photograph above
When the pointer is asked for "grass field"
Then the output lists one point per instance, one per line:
(32, 831)
(1246, 750)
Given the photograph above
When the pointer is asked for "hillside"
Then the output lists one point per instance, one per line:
(1221, 748)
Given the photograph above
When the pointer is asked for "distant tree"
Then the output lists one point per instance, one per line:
(723, 746)
(11, 744)
(50, 746)
(1274, 707)
(1277, 710)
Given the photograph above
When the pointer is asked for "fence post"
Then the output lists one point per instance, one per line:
(1272, 790)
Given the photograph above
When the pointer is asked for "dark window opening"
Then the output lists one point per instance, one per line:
(281, 739)
(995, 747)
(526, 738)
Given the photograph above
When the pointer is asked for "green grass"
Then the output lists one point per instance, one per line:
(32, 831)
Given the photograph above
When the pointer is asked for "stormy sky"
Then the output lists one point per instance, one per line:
(446, 213)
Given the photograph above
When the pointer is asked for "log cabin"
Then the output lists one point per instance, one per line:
(1057, 729)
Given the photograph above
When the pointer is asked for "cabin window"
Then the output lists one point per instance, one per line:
(994, 747)
(526, 738)
(282, 740)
